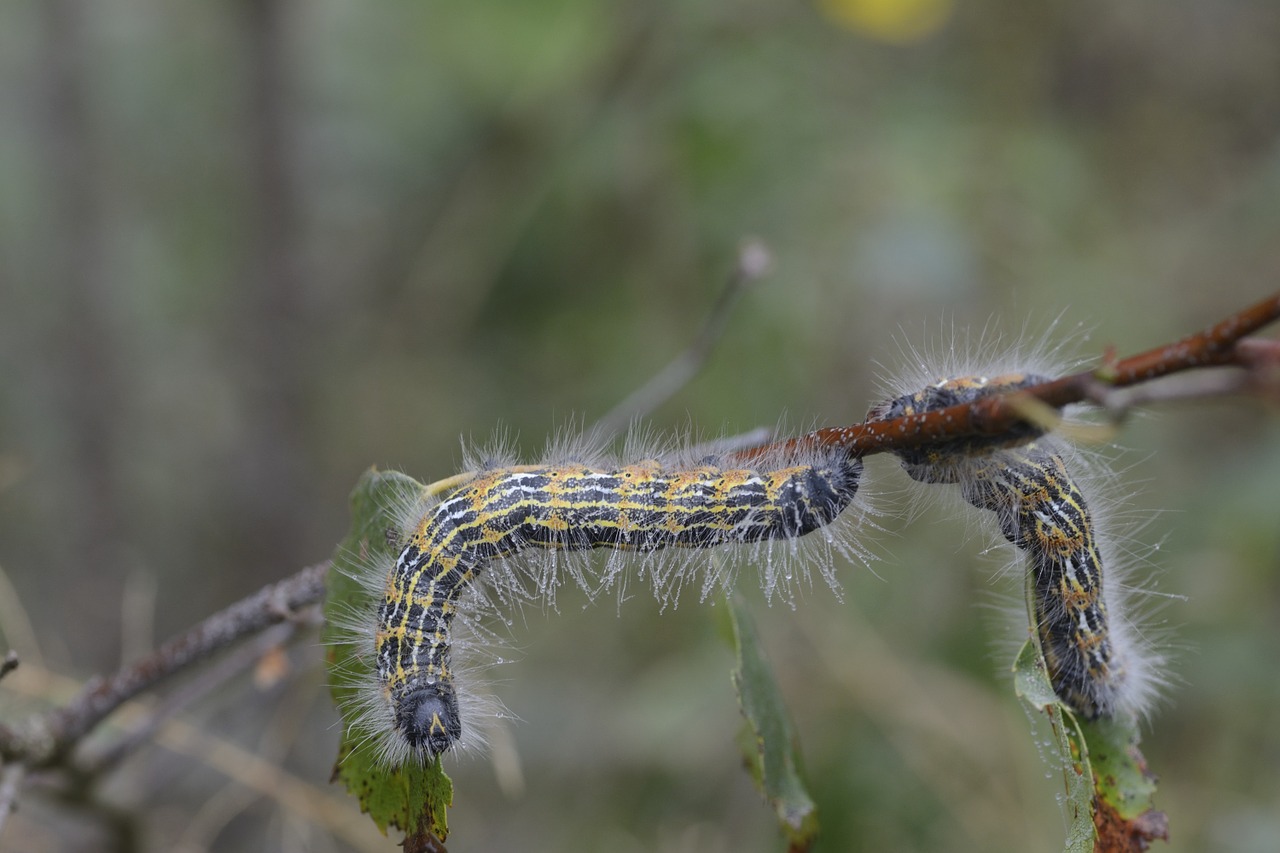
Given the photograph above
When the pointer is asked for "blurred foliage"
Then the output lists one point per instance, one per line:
(770, 750)
(248, 249)
(1061, 748)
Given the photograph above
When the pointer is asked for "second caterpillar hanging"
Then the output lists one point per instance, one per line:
(1096, 664)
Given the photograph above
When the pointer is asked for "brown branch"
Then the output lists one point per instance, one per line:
(1219, 345)
(48, 737)
(1215, 345)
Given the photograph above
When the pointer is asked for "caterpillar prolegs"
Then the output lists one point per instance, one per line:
(1022, 478)
(645, 507)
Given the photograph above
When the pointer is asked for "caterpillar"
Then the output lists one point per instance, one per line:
(645, 507)
(1022, 478)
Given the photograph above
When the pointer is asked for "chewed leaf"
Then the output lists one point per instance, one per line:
(1031, 679)
(1109, 788)
(1125, 818)
(415, 797)
(769, 746)
(1031, 682)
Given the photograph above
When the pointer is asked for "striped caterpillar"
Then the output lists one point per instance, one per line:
(1022, 478)
(646, 507)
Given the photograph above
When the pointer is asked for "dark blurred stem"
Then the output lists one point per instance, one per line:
(9, 664)
(270, 321)
(88, 386)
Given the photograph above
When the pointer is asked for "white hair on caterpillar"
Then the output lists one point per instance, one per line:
(1057, 506)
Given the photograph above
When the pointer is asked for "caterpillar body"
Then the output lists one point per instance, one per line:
(1022, 478)
(645, 507)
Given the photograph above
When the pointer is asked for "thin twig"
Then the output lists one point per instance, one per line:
(9, 664)
(731, 443)
(52, 734)
(1261, 357)
(243, 766)
(1119, 401)
(753, 262)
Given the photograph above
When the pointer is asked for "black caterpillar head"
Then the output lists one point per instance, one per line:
(428, 717)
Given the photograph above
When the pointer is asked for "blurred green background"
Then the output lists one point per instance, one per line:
(248, 249)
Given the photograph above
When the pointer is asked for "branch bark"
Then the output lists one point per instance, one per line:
(48, 737)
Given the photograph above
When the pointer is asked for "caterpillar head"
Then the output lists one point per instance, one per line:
(428, 717)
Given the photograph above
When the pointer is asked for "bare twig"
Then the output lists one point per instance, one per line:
(1119, 401)
(9, 664)
(245, 767)
(49, 736)
(753, 262)
(731, 443)
(1261, 357)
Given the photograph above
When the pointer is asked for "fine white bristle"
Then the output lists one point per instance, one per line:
(1140, 664)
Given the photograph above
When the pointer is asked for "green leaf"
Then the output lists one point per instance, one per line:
(1064, 749)
(1124, 814)
(769, 746)
(1109, 789)
(414, 798)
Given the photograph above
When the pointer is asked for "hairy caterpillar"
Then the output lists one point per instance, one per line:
(650, 506)
(1022, 478)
